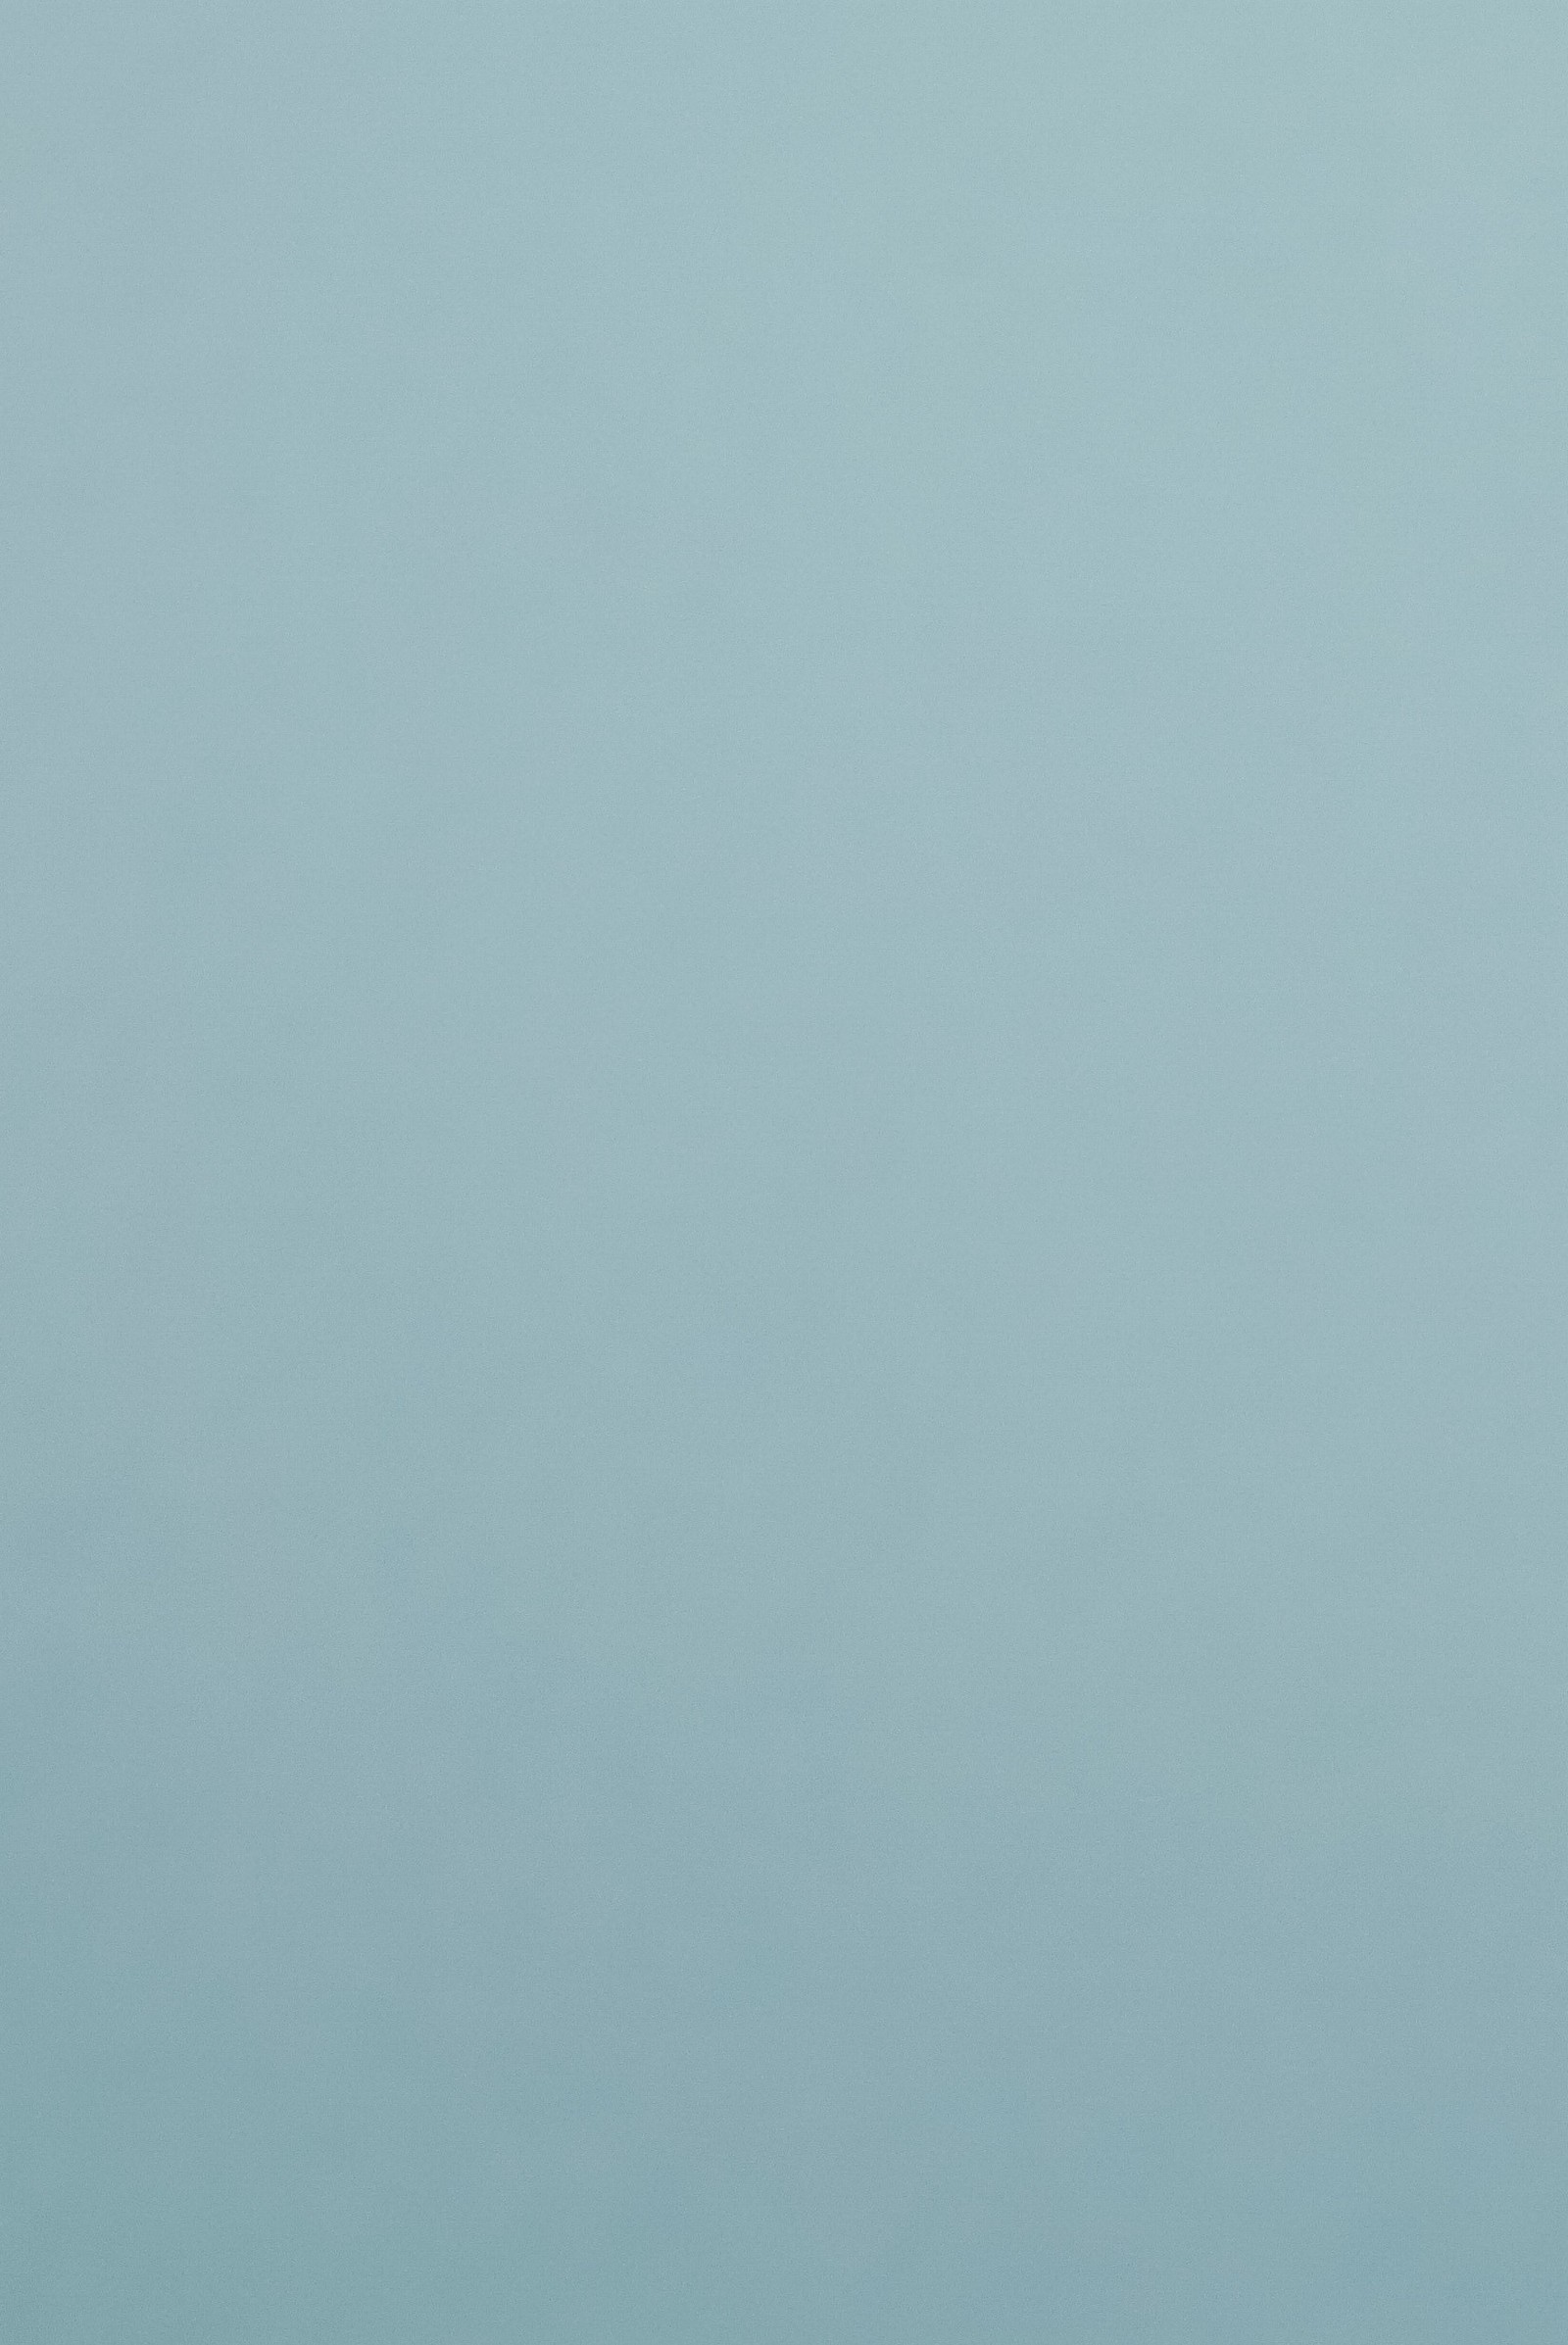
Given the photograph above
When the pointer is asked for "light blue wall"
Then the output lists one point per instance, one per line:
(783, 864)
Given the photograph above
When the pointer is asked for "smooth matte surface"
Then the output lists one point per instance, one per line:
(782, 910)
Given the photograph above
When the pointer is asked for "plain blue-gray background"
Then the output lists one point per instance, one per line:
(783, 866)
